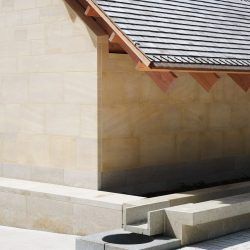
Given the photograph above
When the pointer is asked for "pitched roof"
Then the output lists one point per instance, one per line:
(186, 33)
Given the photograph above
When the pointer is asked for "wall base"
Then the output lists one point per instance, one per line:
(148, 180)
(61, 176)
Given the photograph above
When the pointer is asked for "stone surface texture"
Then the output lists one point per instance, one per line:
(149, 136)
(48, 93)
(73, 114)
(21, 239)
(137, 211)
(197, 222)
(60, 209)
(237, 241)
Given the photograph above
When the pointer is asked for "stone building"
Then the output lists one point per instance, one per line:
(94, 95)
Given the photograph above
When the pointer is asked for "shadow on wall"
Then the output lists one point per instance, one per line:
(155, 181)
(73, 16)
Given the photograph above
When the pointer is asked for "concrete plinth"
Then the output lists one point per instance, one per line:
(58, 208)
(123, 240)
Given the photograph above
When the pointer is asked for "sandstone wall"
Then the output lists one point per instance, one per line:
(48, 94)
(153, 140)
(70, 113)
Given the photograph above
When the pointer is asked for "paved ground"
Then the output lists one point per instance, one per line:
(237, 241)
(20, 239)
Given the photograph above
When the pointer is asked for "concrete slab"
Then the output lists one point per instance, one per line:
(209, 211)
(123, 240)
(197, 222)
(22, 239)
(236, 241)
(67, 193)
(59, 209)
(137, 211)
(95, 241)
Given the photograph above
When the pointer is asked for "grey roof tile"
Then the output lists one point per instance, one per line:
(197, 32)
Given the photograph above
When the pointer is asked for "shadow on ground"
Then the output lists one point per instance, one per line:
(127, 239)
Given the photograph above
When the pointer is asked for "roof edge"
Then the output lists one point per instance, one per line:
(127, 42)
(155, 66)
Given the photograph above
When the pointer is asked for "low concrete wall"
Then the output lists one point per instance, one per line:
(61, 209)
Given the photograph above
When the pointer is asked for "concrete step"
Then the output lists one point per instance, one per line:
(198, 213)
(140, 228)
(122, 240)
(136, 213)
(195, 222)
(202, 221)
(233, 210)
(153, 226)
(57, 208)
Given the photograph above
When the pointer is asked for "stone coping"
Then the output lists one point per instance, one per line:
(198, 213)
(66, 193)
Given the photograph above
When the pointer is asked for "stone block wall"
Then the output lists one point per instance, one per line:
(154, 141)
(48, 93)
(73, 114)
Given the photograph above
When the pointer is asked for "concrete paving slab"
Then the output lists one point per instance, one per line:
(95, 241)
(22, 239)
(236, 241)
(123, 240)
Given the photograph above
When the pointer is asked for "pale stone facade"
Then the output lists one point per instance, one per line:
(49, 93)
(153, 140)
(72, 114)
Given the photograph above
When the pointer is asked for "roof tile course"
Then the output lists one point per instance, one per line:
(194, 32)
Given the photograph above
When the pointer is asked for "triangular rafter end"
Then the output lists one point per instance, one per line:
(206, 80)
(163, 79)
(243, 80)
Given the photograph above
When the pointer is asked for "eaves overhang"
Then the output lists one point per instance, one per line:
(162, 67)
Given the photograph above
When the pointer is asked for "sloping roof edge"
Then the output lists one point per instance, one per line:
(156, 63)
(126, 41)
